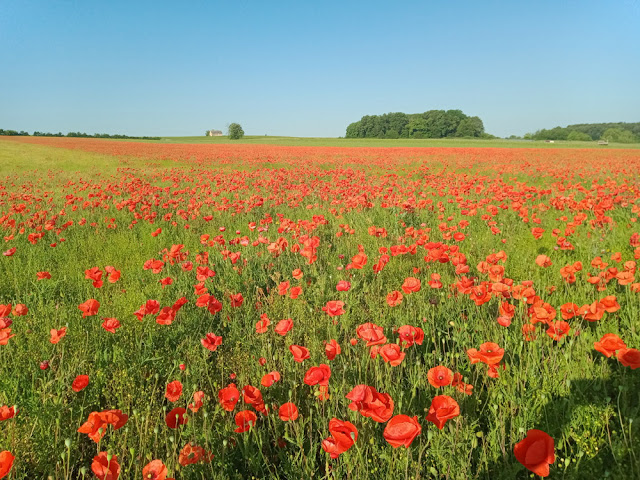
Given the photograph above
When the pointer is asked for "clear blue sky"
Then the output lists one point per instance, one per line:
(309, 68)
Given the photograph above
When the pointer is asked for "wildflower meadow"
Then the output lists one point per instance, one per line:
(213, 311)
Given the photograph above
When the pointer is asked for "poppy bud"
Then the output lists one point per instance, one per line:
(182, 366)
(262, 361)
(44, 365)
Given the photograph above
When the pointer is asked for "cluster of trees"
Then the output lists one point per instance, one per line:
(431, 124)
(613, 132)
(14, 133)
(72, 134)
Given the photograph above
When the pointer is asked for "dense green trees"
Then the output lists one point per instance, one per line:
(235, 131)
(73, 134)
(613, 132)
(13, 133)
(430, 124)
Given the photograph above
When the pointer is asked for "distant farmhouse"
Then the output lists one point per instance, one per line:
(214, 133)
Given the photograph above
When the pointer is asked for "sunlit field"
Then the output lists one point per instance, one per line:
(213, 311)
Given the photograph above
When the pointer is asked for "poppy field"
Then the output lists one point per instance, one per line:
(199, 311)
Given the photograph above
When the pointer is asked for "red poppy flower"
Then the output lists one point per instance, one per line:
(610, 304)
(392, 354)
(5, 335)
(543, 261)
(155, 470)
(490, 354)
(43, 275)
(283, 326)
(371, 333)
(442, 408)
(114, 275)
(557, 330)
(331, 349)
(568, 311)
(6, 462)
(283, 287)
(236, 300)
(174, 390)
(300, 354)
(462, 387)
(343, 435)
(394, 298)
(410, 335)
(608, 344)
(253, 397)
(318, 375)
(371, 403)
(334, 308)
(105, 469)
(228, 397)
(263, 324)
(96, 425)
(593, 312)
(245, 419)
(110, 324)
(89, 308)
(440, 376)
(7, 413)
(192, 454)
(176, 417)
(411, 285)
(197, 401)
(297, 274)
(401, 431)
(80, 383)
(358, 261)
(211, 342)
(57, 335)
(343, 286)
(629, 357)
(536, 452)
(288, 412)
(270, 378)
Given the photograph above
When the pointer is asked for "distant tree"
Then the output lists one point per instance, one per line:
(618, 135)
(235, 131)
(556, 133)
(417, 128)
(470, 127)
(576, 136)
(353, 130)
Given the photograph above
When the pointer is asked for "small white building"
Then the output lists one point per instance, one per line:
(214, 133)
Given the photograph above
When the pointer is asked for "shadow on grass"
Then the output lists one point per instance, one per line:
(597, 449)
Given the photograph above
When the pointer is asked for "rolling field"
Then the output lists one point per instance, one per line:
(213, 310)
(367, 142)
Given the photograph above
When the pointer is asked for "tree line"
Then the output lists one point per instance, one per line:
(22, 133)
(619, 132)
(430, 124)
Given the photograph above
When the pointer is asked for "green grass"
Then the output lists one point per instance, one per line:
(586, 402)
